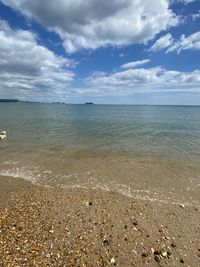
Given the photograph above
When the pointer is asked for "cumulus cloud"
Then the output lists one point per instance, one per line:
(140, 80)
(134, 64)
(27, 69)
(185, 1)
(163, 42)
(126, 78)
(91, 24)
(191, 42)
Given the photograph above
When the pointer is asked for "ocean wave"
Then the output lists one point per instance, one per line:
(91, 180)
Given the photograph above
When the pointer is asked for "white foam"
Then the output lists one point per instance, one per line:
(87, 180)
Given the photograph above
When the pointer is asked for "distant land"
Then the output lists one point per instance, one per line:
(10, 100)
(58, 103)
(16, 101)
(23, 101)
(89, 103)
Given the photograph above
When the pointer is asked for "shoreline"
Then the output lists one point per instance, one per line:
(43, 226)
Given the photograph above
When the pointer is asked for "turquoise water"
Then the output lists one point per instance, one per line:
(143, 150)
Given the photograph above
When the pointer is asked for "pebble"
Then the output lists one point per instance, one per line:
(112, 260)
(144, 255)
(33, 244)
(169, 253)
(164, 254)
(135, 222)
(152, 250)
(173, 245)
(105, 241)
(157, 252)
(157, 258)
(134, 251)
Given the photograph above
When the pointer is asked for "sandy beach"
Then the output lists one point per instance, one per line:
(100, 133)
(80, 227)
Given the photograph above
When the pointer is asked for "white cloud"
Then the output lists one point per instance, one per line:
(134, 64)
(191, 42)
(163, 42)
(142, 80)
(90, 24)
(123, 78)
(195, 16)
(27, 69)
(185, 1)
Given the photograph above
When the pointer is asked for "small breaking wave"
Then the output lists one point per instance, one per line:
(89, 180)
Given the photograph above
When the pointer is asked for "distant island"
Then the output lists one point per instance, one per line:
(58, 103)
(18, 101)
(10, 100)
(3, 100)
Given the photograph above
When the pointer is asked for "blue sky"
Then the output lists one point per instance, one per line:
(118, 52)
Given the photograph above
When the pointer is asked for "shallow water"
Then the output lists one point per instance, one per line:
(144, 151)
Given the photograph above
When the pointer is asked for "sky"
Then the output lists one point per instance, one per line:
(106, 52)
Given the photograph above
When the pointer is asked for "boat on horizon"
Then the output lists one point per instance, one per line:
(89, 103)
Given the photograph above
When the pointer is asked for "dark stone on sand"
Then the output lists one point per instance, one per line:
(157, 252)
(182, 260)
(169, 253)
(144, 255)
(49, 234)
(157, 258)
(135, 222)
(173, 245)
(106, 241)
(90, 203)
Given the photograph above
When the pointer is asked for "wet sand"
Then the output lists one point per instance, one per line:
(77, 227)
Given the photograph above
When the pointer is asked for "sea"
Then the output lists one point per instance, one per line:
(146, 152)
